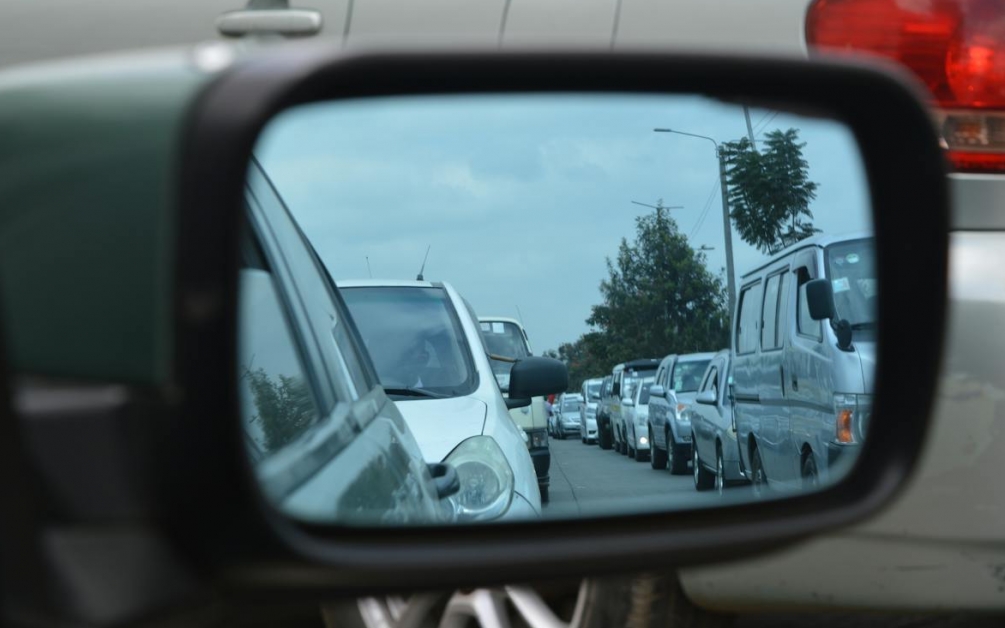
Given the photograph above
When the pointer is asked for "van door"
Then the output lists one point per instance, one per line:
(807, 362)
(745, 369)
(777, 456)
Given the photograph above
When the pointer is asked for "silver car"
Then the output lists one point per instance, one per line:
(715, 456)
(676, 385)
(567, 418)
(636, 419)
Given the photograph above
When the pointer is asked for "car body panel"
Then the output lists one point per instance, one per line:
(440, 424)
(114, 321)
(712, 425)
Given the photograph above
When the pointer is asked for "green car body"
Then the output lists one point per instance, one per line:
(87, 174)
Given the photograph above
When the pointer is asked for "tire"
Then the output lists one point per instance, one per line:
(703, 480)
(720, 471)
(657, 456)
(603, 437)
(675, 461)
(642, 601)
(759, 479)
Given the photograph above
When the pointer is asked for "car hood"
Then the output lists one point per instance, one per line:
(439, 425)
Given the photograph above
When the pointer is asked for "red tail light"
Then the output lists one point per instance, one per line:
(956, 48)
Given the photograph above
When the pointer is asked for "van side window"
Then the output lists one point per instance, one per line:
(769, 315)
(805, 324)
(749, 314)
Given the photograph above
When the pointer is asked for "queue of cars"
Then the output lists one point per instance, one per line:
(785, 407)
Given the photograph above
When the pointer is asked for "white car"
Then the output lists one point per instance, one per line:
(427, 348)
(588, 409)
(635, 416)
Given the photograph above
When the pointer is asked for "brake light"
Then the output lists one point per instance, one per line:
(955, 47)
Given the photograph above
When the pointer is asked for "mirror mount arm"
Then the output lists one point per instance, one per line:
(512, 404)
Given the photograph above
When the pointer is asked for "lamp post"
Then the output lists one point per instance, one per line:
(730, 278)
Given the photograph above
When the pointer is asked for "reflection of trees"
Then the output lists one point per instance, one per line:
(283, 406)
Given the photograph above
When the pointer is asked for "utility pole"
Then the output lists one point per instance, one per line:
(726, 228)
(728, 232)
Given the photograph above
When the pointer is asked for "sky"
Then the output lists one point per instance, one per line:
(522, 198)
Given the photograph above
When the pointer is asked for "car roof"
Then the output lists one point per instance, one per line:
(386, 283)
(694, 357)
(642, 362)
(499, 319)
(821, 240)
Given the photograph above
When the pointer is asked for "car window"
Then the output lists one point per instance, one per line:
(746, 329)
(644, 393)
(570, 405)
(687, 375)
(277, 402)
(413, 337)
(851, 269)
(292, 257)
(769, 315)
(805, 324)
(711, 381)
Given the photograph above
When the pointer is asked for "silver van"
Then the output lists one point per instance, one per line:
(803, 344)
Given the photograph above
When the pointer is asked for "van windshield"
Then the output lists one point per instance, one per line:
(504, 339)
(851, 268)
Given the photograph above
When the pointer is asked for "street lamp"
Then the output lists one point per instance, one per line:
(704, 247)
(730, 279)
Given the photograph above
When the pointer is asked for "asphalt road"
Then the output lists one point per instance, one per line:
(587, 480)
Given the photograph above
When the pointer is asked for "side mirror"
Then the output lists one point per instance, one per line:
(706, 397)
(537, 377)
(820, 298)
(629, 402)
(657, 391)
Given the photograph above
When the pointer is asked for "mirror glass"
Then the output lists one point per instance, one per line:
(408, 262)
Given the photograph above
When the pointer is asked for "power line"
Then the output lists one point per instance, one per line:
(705, 209)
(767, 123)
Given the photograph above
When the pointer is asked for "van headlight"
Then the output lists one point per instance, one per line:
(486, 479)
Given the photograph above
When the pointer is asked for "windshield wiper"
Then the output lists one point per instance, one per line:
(414, 392)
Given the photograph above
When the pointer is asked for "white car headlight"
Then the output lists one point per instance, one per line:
(486, 479)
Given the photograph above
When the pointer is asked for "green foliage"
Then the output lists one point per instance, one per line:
(659, 298)
(283, 405)
(770, 192)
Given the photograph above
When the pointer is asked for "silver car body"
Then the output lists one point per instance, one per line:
(790, 379)
(712, 428)
(670, 396)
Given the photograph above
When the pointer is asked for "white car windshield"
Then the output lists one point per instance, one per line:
(414, 339)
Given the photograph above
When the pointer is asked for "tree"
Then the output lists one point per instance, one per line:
(659, 298)
(769, 193)
(284, 407)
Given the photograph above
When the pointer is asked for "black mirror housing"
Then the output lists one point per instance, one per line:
(537, 377)
(820, 298)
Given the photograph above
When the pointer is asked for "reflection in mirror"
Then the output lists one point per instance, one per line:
(709, 290)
